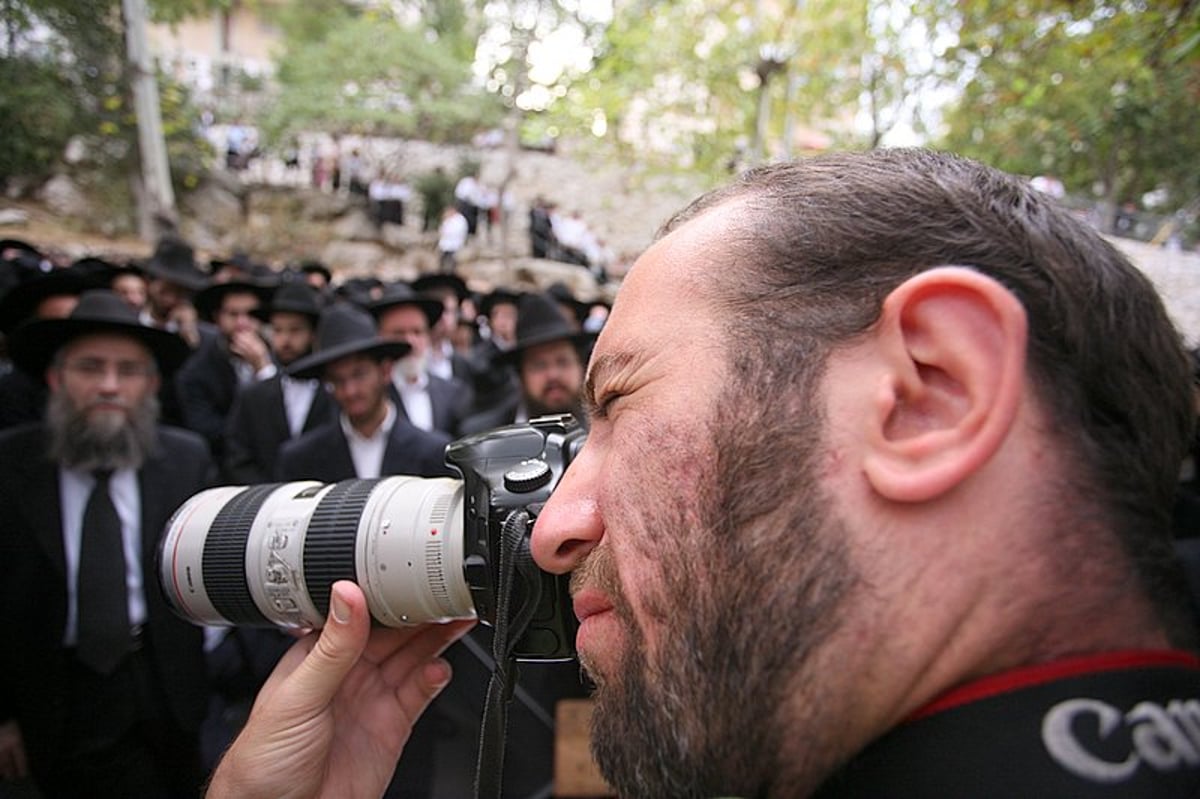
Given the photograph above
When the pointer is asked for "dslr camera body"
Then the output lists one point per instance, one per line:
(423, 550)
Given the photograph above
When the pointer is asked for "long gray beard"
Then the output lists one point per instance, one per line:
(81, 443)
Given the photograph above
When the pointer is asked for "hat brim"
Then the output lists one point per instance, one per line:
(194, 282)
(208, 300)
(312, 366)
(33, 344)
(432, 309)
(513, 356)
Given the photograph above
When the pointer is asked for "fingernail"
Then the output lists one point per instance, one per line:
(438, 673)
(340, 607)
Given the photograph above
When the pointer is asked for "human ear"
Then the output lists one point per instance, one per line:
(952, 350)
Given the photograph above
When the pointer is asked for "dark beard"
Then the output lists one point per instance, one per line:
(81, 443)
(752, 587)
(535, 408)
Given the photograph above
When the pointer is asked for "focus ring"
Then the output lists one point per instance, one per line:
(224, 559)
(330, 541)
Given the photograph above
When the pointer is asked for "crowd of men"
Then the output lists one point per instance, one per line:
(130, 387)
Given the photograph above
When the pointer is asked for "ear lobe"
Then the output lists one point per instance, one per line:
(953, 352)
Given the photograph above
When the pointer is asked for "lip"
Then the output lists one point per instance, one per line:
(590, 602)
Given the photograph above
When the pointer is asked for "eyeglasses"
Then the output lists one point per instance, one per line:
(96, 369)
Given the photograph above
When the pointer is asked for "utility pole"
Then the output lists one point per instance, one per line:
(157, 198)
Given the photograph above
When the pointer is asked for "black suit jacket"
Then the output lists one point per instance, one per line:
(258, 427)
(451, 401)
(35, 668)
(207, 385)
(323, 454)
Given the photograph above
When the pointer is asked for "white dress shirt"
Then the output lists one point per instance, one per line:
(298, 396)
(367, 451)
(418, 405)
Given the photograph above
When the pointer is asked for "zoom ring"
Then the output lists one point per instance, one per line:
(330, 541)
(224, 561)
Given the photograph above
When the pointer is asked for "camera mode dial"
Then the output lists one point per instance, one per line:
(527, 476)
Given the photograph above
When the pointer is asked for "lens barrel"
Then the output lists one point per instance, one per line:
(268, 555)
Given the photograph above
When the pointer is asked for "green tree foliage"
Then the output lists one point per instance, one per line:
(64, 75)
(1103, 94)
(347, 70)
(682, 82)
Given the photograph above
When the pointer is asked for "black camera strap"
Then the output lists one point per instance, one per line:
(515, 560)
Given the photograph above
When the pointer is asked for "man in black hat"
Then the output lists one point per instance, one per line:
(172, 277)
(50, 295)
(101, 682)
(236, 357)
(444, 361)
(428, 401)
(549, 364)
(370, 437)
(267, 413)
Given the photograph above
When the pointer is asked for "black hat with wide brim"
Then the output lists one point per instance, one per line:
(33, 344)
(174, 261)
(345, 330)
(399, 294)
(541, 321)
(440, 280)
(295, 297)
(20, 303)
(208, 300)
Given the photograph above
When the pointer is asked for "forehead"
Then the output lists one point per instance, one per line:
(107, 346)
(291, 320)
(349, 365)
(551, 349)
(665, 309)
(403, 315)
(239, 300)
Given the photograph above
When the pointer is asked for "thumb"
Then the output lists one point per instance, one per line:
(338, 647)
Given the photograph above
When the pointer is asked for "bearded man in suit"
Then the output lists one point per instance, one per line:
(102, 688)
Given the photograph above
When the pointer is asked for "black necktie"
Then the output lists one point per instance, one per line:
(102, 598)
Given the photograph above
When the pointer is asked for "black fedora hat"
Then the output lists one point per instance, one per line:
(344, 330)
(208, 300)
(20, 303)
(541, 321)
(174, 261)
(294, 297)
(399, 294)
(499, 297)
(34, 343)
(442, 280)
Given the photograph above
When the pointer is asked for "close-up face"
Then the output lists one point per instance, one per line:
(164, 296)
(131, 288)
(503, 321)
(236, 314)
(358, 384)
(406, 323)
(56, 306)
(691, 512)
(292, 336)
(104, 376)
(551, 378)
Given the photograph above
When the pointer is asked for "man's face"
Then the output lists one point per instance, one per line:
(291, 336)
(56, 306)
(707, 563)
(132, 289)
(164, 296)
(406, 323)
(446, 325)
(102, 407)
(236, 314)
(503, 321)
(551, 378)
(359, 385)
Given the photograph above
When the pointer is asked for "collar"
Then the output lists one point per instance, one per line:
(383, 431)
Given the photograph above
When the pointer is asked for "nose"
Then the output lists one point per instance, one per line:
(570, 526)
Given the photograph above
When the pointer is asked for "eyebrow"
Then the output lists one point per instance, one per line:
(602, 366)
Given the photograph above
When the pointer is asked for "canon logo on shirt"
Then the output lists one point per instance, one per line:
(1162, 738)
